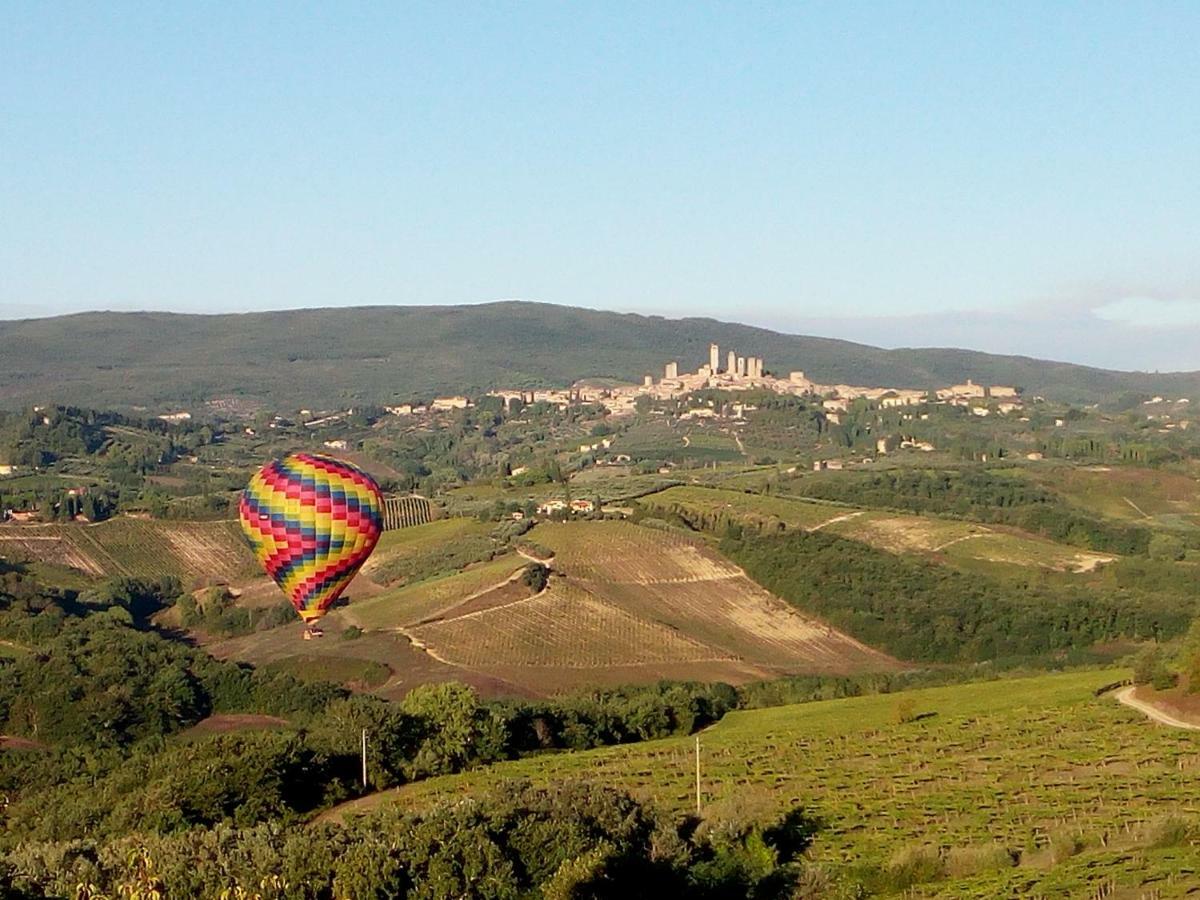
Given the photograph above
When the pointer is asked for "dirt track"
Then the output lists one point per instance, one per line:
(1125, 695)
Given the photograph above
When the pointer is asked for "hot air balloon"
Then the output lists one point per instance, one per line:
(312, 521)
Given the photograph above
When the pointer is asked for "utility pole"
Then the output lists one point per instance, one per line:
(364, 758)
(697, 775)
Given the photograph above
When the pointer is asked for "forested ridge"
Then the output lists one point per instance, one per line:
(378, 354)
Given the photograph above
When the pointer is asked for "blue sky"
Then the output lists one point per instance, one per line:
(1018, 177)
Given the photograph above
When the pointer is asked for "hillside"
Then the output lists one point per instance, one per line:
(624, 605)
(329, 357)
(136, 548)
(1030, 787)
(952, 541)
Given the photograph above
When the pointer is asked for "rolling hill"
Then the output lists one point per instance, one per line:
(947, 540)
(331, 357)
(1032, 787)
(625, 604)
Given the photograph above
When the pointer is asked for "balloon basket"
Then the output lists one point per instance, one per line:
(312, 631)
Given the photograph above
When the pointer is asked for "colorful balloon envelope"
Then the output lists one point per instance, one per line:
(312, 521)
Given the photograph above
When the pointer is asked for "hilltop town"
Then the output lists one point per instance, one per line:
(735, 372)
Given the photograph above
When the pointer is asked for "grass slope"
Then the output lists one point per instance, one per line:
(332, 357)
(1040, 767)
(1145, 496)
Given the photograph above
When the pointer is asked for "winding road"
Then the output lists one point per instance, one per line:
(1125, 695)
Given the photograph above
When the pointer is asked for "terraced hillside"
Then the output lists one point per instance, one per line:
(138, 548)
(624, 604)
(1031, 787)
(681, 583)
(951, 540)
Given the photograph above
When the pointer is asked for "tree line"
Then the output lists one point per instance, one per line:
(917, 610)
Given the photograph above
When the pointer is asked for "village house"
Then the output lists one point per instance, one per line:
(820, 465)
(445, 404)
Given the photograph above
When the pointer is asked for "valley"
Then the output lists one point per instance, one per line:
(912, 630)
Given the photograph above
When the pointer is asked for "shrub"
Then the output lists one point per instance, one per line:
(904, 711)
(535, 577)
(914, 864)
(1064, 843)
(1170, 831)
(963, 862)
(1150, 667)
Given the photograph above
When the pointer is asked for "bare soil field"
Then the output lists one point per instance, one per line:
(409, 665)
(1176, 707)
(8, 742)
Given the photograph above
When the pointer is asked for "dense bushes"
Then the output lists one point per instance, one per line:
(920, 611)
(575, 840)
(106, 699)
(102, 683)
(215, 611)
(242, 779)
(617, 716)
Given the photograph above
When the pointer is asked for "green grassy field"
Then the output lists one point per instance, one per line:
(341, 669)
(1147, 496)
(407, 555)
(1073, 784)
(683, 443)
(404, 606)
(409, 541)
(12, 650)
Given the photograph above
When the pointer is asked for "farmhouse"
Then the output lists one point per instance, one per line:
(445, 404)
